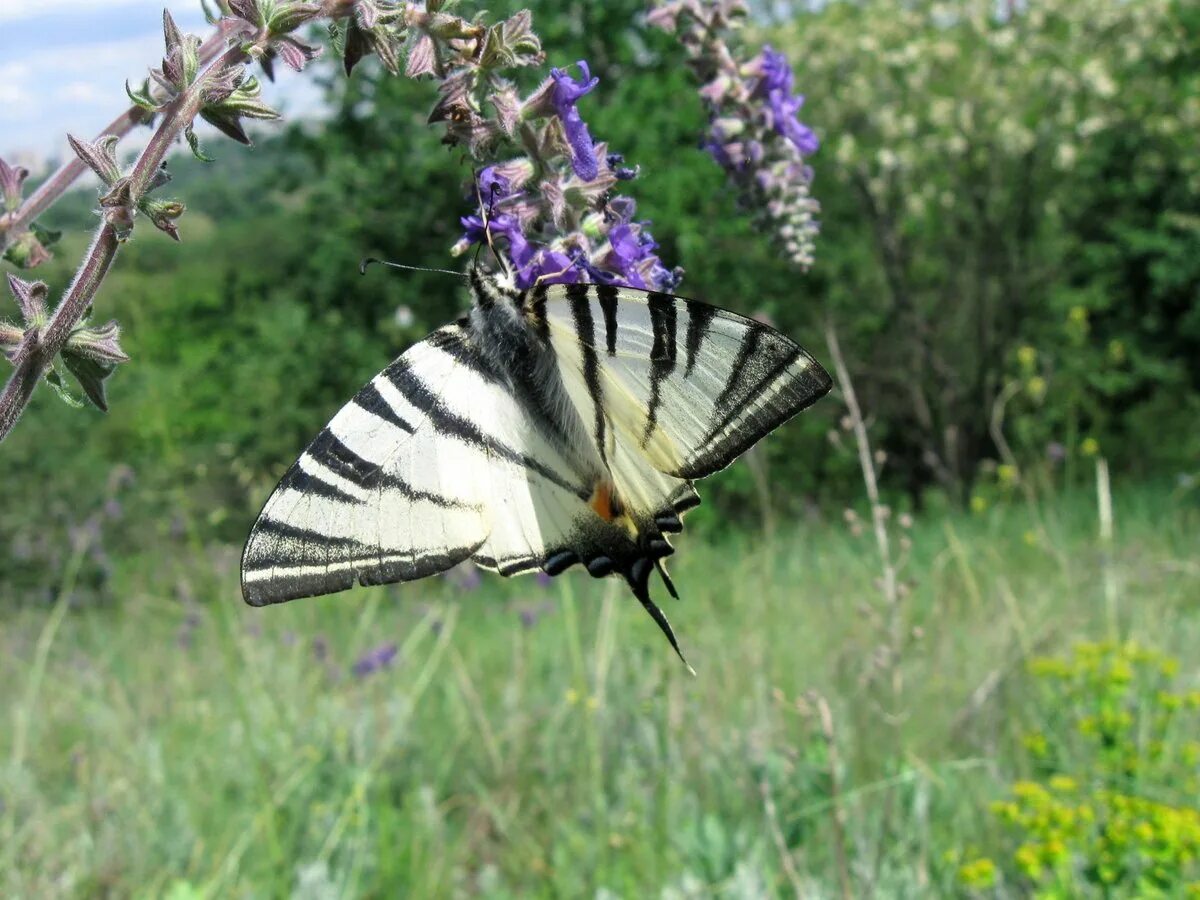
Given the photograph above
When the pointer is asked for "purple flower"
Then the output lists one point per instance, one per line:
(552, 265)
(621, 172)
(600, 275)
(493, 186)
(775, 85)
(715, 146)
(566, 92)
(626, 246)
(473, 228)
(320, 647)
(776, 71)
(520, 251)
(374, 660)
(665, 279)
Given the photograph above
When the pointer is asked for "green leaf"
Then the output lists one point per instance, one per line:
(141, 97)
(194, 143)
(47, 237)
(55, 380)
(91, 375)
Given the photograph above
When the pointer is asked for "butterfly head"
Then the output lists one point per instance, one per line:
(493, 290)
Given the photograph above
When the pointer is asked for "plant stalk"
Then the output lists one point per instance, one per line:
(49, 192)
(40, 353)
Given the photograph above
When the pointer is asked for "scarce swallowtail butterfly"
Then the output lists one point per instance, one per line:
(552, 426)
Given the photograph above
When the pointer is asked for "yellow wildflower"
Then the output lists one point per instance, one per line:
(1064, 784)
(978, 873)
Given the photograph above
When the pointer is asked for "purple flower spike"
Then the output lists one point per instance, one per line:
(374, 660)
(566, 92)
(776, 71)
(775, 85)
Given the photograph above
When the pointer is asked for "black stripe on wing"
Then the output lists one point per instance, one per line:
(700, 315)
(578, 295)
(286, 581)
(608, 297)
(662, 355)
(405, 380)
(370, 400)
(765, 388)
(303, 482)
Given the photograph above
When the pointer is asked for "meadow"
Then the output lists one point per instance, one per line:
(530, 739)
(977, 679)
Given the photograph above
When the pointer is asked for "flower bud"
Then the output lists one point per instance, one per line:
(101, 344)
(12, 180)
(31, 299)
(99, 156)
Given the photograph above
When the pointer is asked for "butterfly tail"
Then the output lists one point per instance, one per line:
(639, 582)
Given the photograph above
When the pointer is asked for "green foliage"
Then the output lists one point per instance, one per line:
(1010, 234)
(541, 742)
(991, 182)
(1116, 752)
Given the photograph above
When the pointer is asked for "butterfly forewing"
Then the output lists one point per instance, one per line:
(690, 386)
(381, 495)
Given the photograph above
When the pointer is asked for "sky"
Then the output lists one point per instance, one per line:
(64, 63)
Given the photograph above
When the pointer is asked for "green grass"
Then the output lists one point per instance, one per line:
(575, 755)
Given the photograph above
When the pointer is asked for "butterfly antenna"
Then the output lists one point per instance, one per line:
(370, 260)
(641, 590)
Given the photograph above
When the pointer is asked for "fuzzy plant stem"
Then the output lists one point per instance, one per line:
(36, 355)
(57, 184)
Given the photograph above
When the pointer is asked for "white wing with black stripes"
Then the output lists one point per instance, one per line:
(551, 427)
(432, 463)
(687, 386)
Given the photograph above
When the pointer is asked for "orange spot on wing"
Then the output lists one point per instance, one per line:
(604, 501)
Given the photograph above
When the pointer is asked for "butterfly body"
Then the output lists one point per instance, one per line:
(556, 426)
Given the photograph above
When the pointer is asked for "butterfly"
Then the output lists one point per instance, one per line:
(560, 425)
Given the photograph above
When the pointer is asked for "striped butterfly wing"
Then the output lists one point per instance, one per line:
(434, 462)
(682, 387)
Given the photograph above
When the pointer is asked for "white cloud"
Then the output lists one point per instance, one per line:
(14, 11)
(63, 73)
(80, 92)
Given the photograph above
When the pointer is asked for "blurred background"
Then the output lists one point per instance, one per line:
(960, 702)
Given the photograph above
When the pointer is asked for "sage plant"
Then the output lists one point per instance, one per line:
(209, 80)
(547, 199)
(552, 211)
(754, 133)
